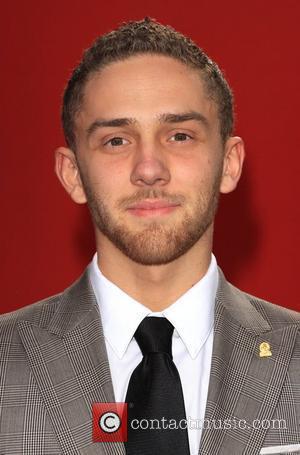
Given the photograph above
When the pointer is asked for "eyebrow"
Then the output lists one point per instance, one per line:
(116, 122)
(163, 118)
(183, 117)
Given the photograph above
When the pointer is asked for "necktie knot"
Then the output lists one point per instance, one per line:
(155, 335)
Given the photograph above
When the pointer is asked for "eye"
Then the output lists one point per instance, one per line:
(180, 137)
(116, 142)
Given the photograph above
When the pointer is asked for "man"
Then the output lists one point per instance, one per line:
(148, 121)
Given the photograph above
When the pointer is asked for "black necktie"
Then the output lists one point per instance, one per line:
(155, 395)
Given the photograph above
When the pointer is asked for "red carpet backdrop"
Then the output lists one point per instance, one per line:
(46, 240)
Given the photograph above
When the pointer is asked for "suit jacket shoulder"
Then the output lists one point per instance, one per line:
(252, 311)
(35, 312)
(57, 312)
(273, 313)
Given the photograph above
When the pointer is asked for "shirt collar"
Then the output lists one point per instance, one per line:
(192, 314)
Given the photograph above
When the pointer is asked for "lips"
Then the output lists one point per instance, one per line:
(152, 208)
(149, 205)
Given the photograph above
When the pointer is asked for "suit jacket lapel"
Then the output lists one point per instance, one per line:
(69, 362)
(243, 386)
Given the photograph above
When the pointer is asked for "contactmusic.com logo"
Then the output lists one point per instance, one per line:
(109, 422)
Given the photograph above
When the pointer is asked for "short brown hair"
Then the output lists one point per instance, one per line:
(141, 37)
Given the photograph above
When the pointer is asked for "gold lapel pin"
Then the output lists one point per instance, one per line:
(265, 349)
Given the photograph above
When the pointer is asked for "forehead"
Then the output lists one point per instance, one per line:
(144, 87)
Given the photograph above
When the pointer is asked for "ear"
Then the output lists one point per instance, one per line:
(232, 164)
(67, 171)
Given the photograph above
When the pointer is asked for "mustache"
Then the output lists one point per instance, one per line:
(152, 194)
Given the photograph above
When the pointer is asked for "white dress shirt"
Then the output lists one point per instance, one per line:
(192, 316)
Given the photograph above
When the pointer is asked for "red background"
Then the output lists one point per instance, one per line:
(47, 240)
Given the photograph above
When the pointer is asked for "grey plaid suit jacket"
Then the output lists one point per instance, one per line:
(54, 366)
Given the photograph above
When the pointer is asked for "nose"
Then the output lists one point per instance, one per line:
(150, 167)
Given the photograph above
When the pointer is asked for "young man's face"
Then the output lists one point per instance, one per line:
(150, 156)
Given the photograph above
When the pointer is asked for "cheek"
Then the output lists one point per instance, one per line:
(103, 173)
(193, 175)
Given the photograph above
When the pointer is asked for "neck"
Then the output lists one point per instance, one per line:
(156, 287)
